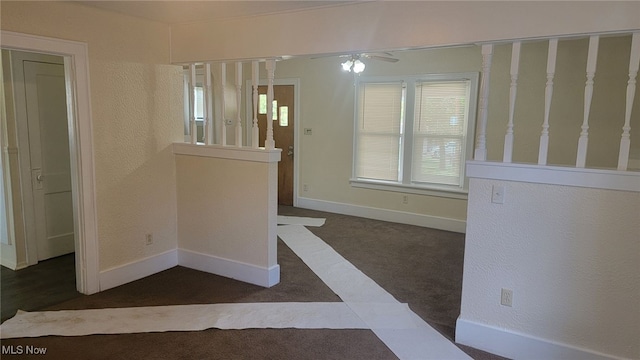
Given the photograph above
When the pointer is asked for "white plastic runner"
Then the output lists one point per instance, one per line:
(366, 306)
(404, 332)
(334, 315)
(297, 220)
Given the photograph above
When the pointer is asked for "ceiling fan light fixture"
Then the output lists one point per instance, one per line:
(353, 65)
(346, 66)
(358, 66)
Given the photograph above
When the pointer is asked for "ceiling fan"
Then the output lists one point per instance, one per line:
(353, 62)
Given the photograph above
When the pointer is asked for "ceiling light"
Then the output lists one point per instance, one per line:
(358, 66)
(353, 65)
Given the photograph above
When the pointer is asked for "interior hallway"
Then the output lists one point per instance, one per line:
(419, 266)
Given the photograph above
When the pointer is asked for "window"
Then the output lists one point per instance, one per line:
(198, 105)
(199, 102)
(414, 133)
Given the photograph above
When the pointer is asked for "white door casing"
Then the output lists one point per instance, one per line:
(49, 154)
(76, 71)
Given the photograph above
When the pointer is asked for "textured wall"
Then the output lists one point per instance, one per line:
(136, 104)
(571, 256)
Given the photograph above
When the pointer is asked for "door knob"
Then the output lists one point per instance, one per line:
(37, 178)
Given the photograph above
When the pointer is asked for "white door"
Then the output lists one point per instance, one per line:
(50, 164)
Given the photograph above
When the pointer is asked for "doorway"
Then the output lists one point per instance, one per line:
(80, 142)
(284, 112)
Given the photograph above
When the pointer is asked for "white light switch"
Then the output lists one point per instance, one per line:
(497, 196)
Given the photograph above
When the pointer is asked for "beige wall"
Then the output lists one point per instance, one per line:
(327, 98)
(327, 107)
(567, 113)
(327, 95)
(224, 209)
(388, 25)
(136, 103)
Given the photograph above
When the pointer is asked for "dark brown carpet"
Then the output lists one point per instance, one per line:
(419, 266)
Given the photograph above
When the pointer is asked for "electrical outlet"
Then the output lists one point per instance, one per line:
(148, 239)
(405, 199)
(305, 187)
(506, 297)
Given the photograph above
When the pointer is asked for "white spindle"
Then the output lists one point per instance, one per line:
(481, 141)
(588, 94)
(193, 129)
(223, 107)
(634, 64)
(269, 142)
(208, 105)
(255, 134)
(238, 102)
(548, 94)
(508, 138)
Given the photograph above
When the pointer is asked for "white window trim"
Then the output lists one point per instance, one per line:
(406, 186)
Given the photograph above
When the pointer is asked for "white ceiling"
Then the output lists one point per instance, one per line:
(185, 11)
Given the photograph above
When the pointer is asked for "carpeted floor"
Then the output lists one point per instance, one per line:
(418, 266)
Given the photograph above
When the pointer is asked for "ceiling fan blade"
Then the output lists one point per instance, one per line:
(332, 55)
(383, 58)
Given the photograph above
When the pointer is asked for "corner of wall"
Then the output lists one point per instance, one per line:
(266, 277)
(136, 270)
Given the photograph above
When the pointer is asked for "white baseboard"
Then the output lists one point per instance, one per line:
(516, 345)
(402, 217)
(9, 264)
(252, 274)
(123, 274)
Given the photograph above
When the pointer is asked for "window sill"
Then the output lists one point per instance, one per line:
(411, 189)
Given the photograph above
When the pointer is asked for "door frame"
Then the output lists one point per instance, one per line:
(296, 122)
(76, 69)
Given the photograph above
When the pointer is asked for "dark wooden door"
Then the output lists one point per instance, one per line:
(283, 130)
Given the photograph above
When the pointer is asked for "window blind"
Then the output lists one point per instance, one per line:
(439, 131)
(379, 135)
